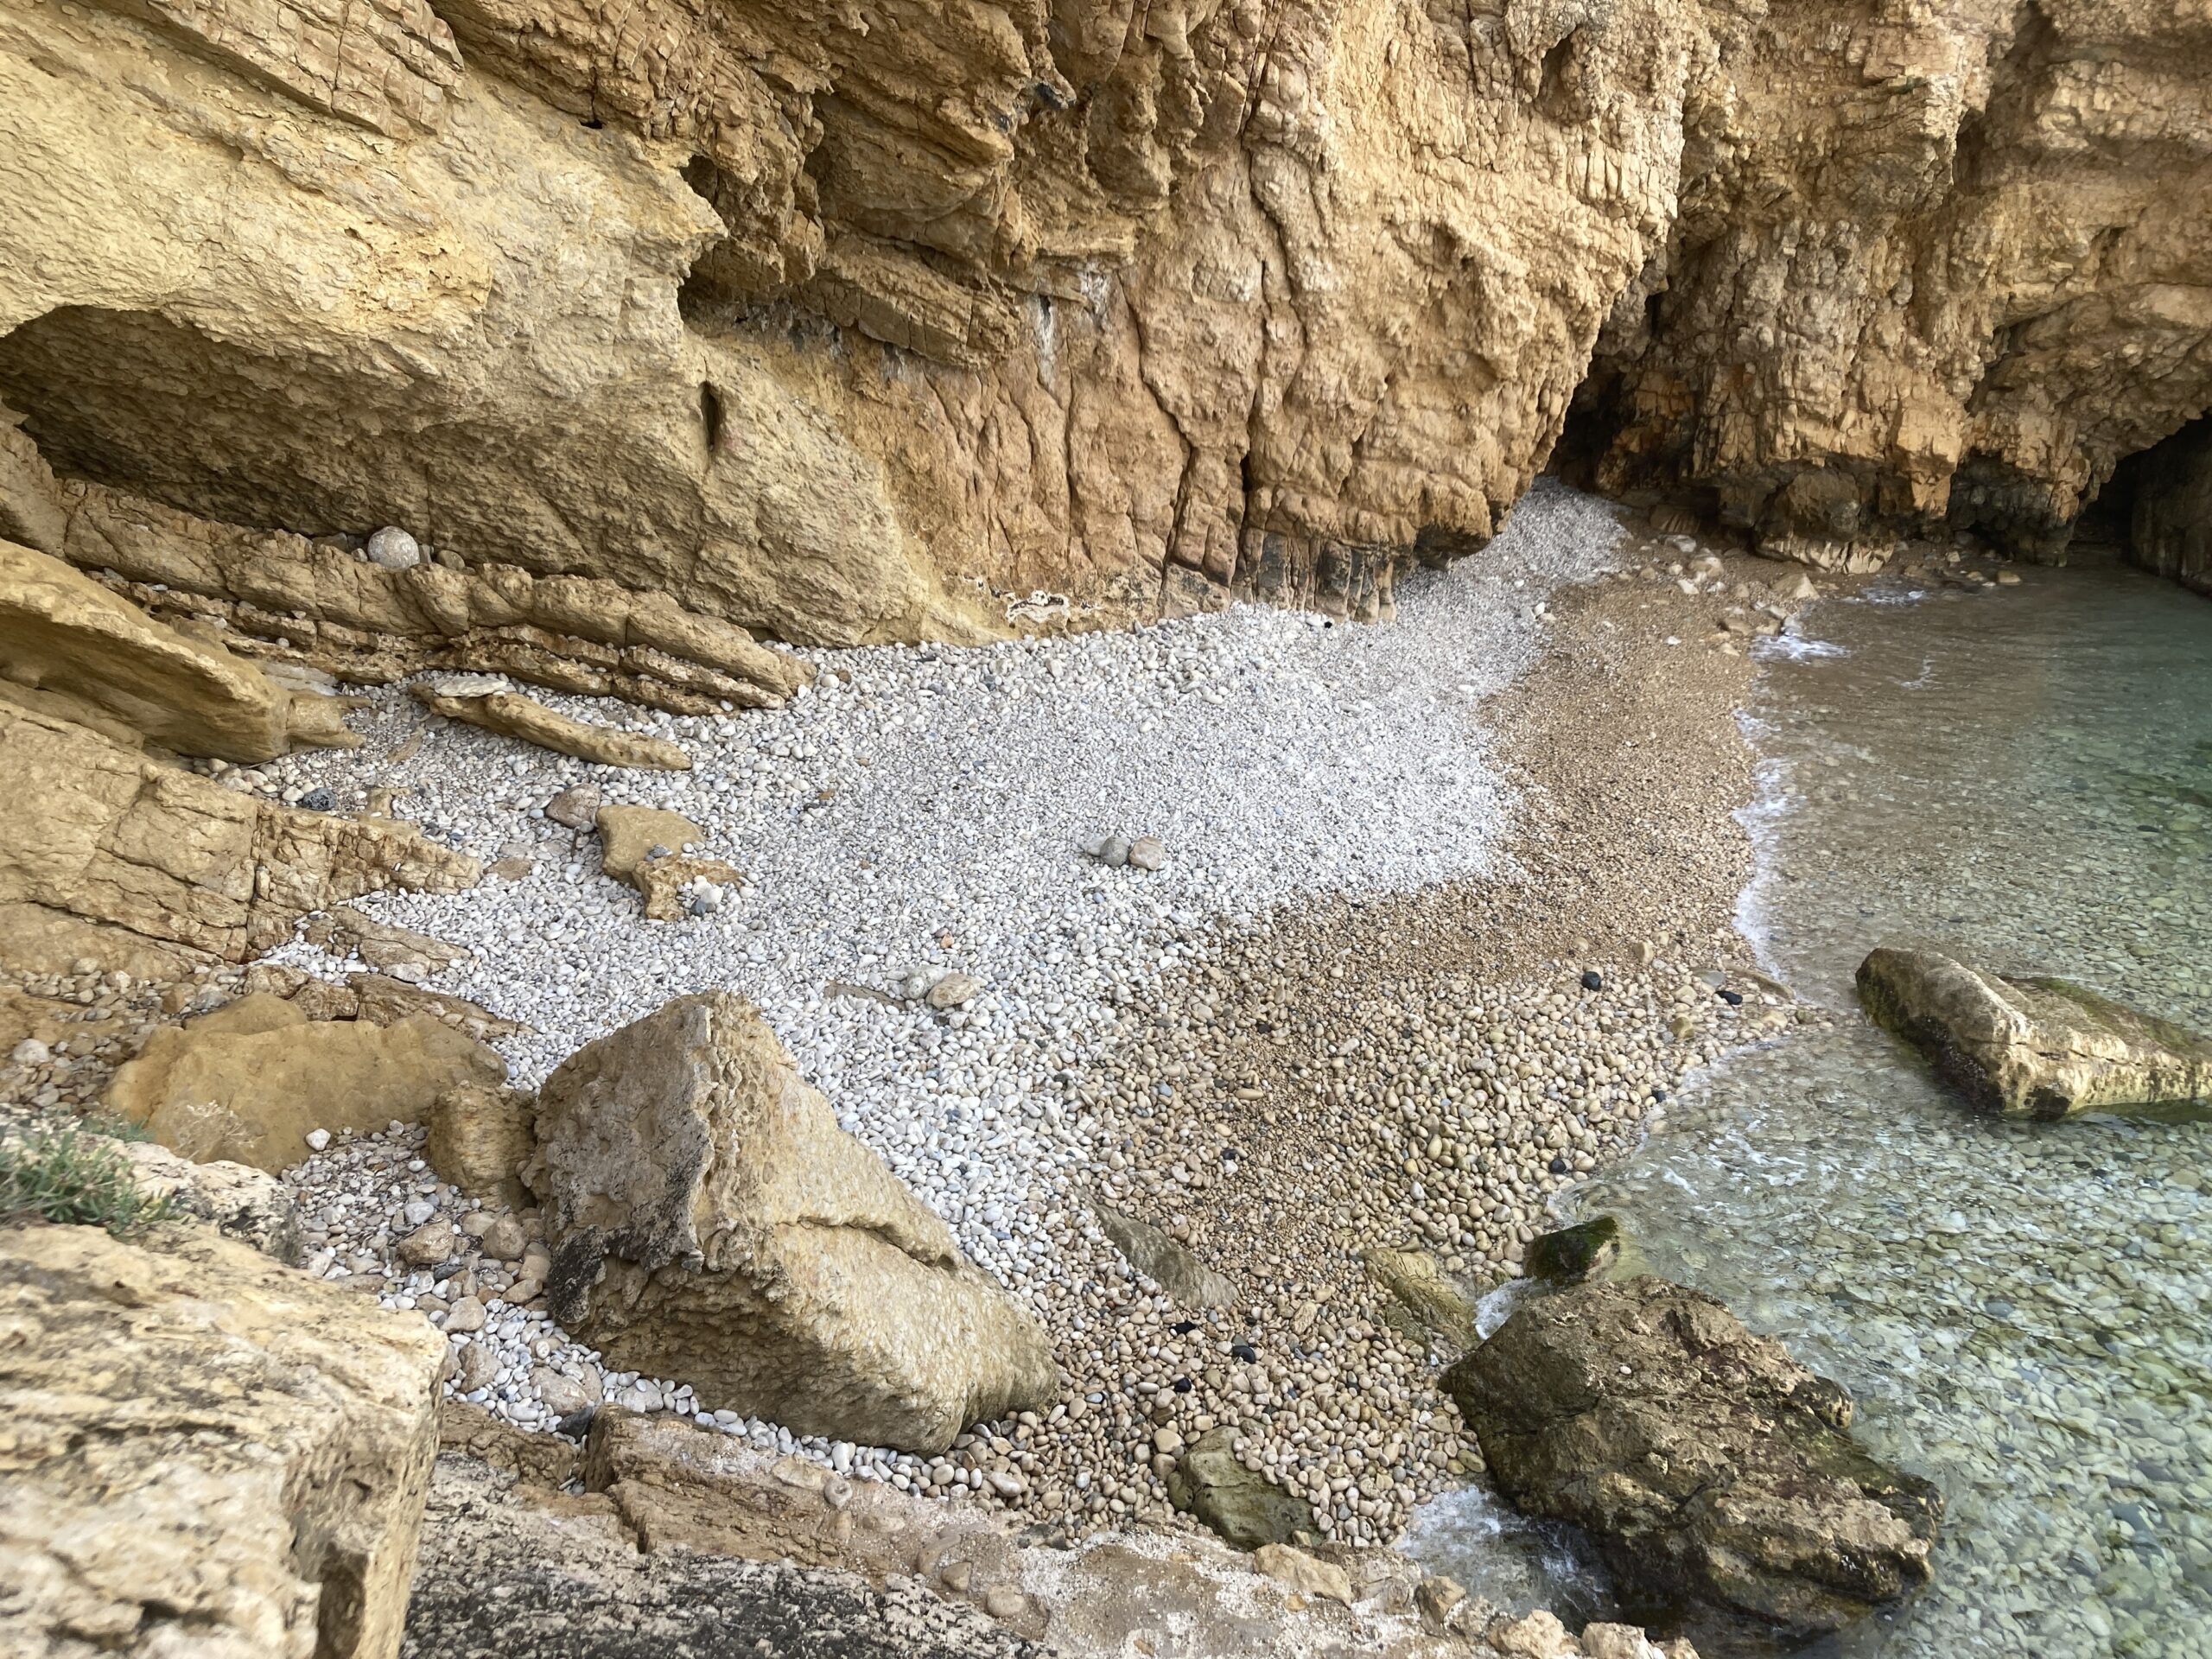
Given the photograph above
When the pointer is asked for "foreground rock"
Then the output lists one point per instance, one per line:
(248, 1082)
(209, 1454)
(1710, 1467)
(686, 1541)
(2032, 1047)
(711, 1221)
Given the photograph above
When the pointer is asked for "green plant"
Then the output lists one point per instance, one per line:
(67, 1173)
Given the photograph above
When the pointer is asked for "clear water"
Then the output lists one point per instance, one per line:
(2023, 1311)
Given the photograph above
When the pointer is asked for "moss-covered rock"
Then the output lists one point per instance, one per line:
(1245, 1508)
(1573, 1254)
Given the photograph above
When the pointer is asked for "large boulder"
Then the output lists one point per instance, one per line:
(2031, 1047)
(248, 1082)
(1715, 1472)
(207, 1454)
(711, 1221)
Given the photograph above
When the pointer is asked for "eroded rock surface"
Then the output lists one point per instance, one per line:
(93, 832)
(710, 1221)
(209, 1453)
(1709, 1467)
(2025, 1046)
(1158, 305)
(69, 642)
(247, 1083)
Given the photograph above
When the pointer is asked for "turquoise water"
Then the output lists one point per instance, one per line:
(2023, 1311)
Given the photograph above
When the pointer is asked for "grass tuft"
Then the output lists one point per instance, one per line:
(71, 1173)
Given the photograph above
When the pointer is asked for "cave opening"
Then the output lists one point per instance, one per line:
(2157, 508)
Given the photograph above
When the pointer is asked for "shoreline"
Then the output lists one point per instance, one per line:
(1598, 754)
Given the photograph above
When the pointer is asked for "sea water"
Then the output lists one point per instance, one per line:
(2024, 1312)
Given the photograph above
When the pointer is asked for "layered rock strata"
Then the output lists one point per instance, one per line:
(710, 1220)
(94, 834)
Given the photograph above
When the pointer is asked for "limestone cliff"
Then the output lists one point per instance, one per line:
(846, 321)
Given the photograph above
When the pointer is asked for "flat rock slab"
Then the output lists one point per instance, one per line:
(512, 715)
(1715, 1473)
(2034, 1047)
(248, 1082)
(208, 1453)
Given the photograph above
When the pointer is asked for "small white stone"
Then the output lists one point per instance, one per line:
(318, 1140)
(393, 548)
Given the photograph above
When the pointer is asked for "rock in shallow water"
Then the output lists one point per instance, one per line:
(1714, 1472)
(2031, 1047)
(711, 1221)
(1573, 1254)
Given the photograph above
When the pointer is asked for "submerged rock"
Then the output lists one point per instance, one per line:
(1573, 1254)
(1715, 1472)
(2031, 1047)
(711, 1221)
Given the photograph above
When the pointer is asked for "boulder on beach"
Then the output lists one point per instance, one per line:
(208, 1452)
(2034, 1047)
(249, 1082)
(1716, 1474)
(1245, 1507)
(710, 1221)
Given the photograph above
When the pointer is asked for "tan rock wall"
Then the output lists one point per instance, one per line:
(845, 325)
(1931, 263)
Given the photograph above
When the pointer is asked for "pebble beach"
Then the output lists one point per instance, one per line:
(1442, 920)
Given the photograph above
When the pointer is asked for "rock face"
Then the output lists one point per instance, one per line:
(1165, 306)
(209, 1454)
(2031, 1047)
(1923, 270)
(92, 831)
(237, 1201)
(709, 1221)
(1704, 1461)
(2171, 526)
(247, 1083)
